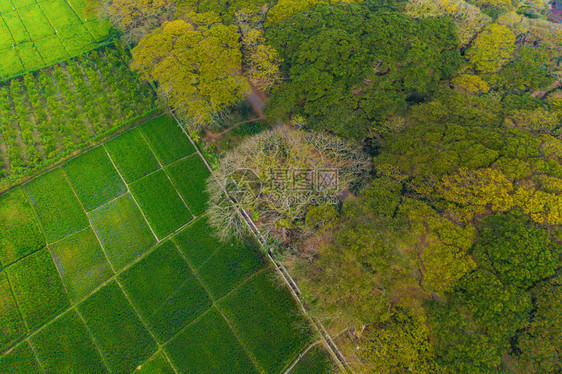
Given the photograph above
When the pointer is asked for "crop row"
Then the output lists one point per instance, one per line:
(46, 115)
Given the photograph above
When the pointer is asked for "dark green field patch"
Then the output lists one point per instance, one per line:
(167, 139)
(37, 288)
(20, 233)
(20, 360)
(156, 365)
(190, 178)
(56, 205)
(64, 346)
(132, 155)
(165, 291)
(81, 263)
(94, 178)
(316, 361)
(11, 325)
(122, 230)
(209, 346)
(122, 338)
(161, 203)
(267, 320)
(228, 267)
(197, 242)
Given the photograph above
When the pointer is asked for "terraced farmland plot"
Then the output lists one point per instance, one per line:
(105, 282)
(35, 34)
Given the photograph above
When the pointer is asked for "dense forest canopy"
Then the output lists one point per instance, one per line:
(448, 259)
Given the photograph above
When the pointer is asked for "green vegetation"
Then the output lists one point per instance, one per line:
(56, 205)
(315, 361)
(94, 178)
(20, 233)
(122, 230)
(37, 288)
(161, 203)
(190, 177)
(197, 243)
(261, 313)
(165, 291)
(123, 341)
(64, 346)
(216, 350)
(166, 139)
(13, 327)
(156, 365)
(81, 263)
(228, 266)
(90, 97)
(29, 26)
(132, 156)
(20, 360)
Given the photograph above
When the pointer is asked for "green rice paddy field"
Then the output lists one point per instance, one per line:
(107, 264)
(38, 33)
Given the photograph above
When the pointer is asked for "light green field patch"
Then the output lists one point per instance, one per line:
(122, 230)
(29, 56)
(190, 178)
(11, 324)
(165, 291)
(35, 22)
(121, 336)
(75, 39)
(64, 346)
(167, 139)
(267, 320)
(156, 365)
(132, 155)
(11, 64)
(37, 288)
(20, 360)
(6, 6)
(94, 178)
(16, 27)
(81, 263)
(56, 205)
(99, 30)
(161, 203)
(20, 233)
(51, 49)
(209, 346)
(197, 242)
(6, 40)
(59, 14)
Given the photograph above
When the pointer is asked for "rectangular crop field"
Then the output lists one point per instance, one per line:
(123, 340)
(167, 139)
(81, 263)
(33, 21)
(190, 177)
(264, 316)
(20, 360)
(94, 178)
(161, 203)
(65, 346)
(123, 231)
(209, 346)
(12, 325)
(37, 288)
(165, 291)
(20, 233)
(132, 156)
(58, 208)
(316, 361)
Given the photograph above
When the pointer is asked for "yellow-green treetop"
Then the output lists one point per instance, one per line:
(196, 65)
